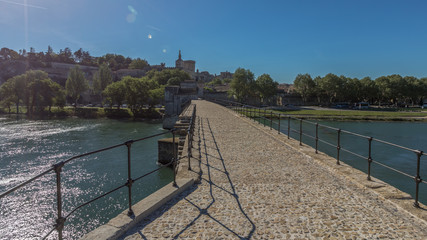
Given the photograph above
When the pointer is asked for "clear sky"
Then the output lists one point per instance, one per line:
(355, 38)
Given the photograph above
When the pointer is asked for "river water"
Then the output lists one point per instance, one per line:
(29, 147)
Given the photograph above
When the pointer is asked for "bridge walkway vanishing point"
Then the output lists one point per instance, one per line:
(254, 186)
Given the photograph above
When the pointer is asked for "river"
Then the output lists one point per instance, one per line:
(29, 147)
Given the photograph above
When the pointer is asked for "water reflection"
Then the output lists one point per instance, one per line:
(30, 147)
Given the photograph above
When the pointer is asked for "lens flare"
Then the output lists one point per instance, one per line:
(131, 17)
(149, 36)
(132, 10)
(164, 50)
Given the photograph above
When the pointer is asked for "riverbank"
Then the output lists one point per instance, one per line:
(90, 113)
(345, 115)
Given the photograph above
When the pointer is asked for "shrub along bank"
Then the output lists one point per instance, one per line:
(91, 112)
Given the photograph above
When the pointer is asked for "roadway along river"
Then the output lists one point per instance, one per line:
(28, 147)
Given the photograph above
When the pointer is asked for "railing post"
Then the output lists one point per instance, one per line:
(59, 226)
(317, 137)
(289, 127)
(130, 180)
(271, 120)
(189, 145)
(174, 159)
(369, 158)
(418, 179)
(300, 132)
(278, 127)
(338, 146)
(259, 115)
(265, 112)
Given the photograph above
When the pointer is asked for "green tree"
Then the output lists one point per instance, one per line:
(413, 89)
(102, 78)
(266, 87)
(352, 90)
(369, 91)
(398, 88)
(174, 81)
(243, 85)
(7, 96)
(156, 96)
(215, 82)
(139, 91)
(333, 86)
(115, 93)
(163, 77)
(305, 86)
(138, 63)
(18, 87)
(45, 93)
(76, 84)
(33, 89)
(384, 89)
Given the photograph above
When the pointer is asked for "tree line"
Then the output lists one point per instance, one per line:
(36, 91)
(244, 87)
(81, 57)
(384, 90)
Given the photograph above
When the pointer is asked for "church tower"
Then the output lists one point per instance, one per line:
(179, 63)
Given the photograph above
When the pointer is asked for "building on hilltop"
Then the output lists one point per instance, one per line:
(225, 75)
(187, 65)
(190, 66)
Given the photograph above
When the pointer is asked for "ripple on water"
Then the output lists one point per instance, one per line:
(30, 147)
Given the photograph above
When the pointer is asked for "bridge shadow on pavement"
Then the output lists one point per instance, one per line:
(220, 207)
(213, 187)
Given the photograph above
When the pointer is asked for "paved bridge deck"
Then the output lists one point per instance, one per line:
(255, 186)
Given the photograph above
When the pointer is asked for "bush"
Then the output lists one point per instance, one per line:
(117, 113)
(88, 113)
(149, 114)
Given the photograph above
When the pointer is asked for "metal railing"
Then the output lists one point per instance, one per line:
(190, 135)
(57, 169)
(263, 116)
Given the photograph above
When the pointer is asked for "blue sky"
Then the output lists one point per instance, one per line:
(282, 38)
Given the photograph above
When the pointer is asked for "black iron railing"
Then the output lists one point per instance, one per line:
(57, 169)
(263, 116)
(190, 135)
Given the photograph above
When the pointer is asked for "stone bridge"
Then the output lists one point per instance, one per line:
(253, 183)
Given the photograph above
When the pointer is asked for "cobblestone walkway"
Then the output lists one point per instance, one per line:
(255, 187)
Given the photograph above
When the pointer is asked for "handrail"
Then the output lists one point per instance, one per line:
(251, 111)
(57, 168)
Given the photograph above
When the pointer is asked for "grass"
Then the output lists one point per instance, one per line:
(351, 114)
